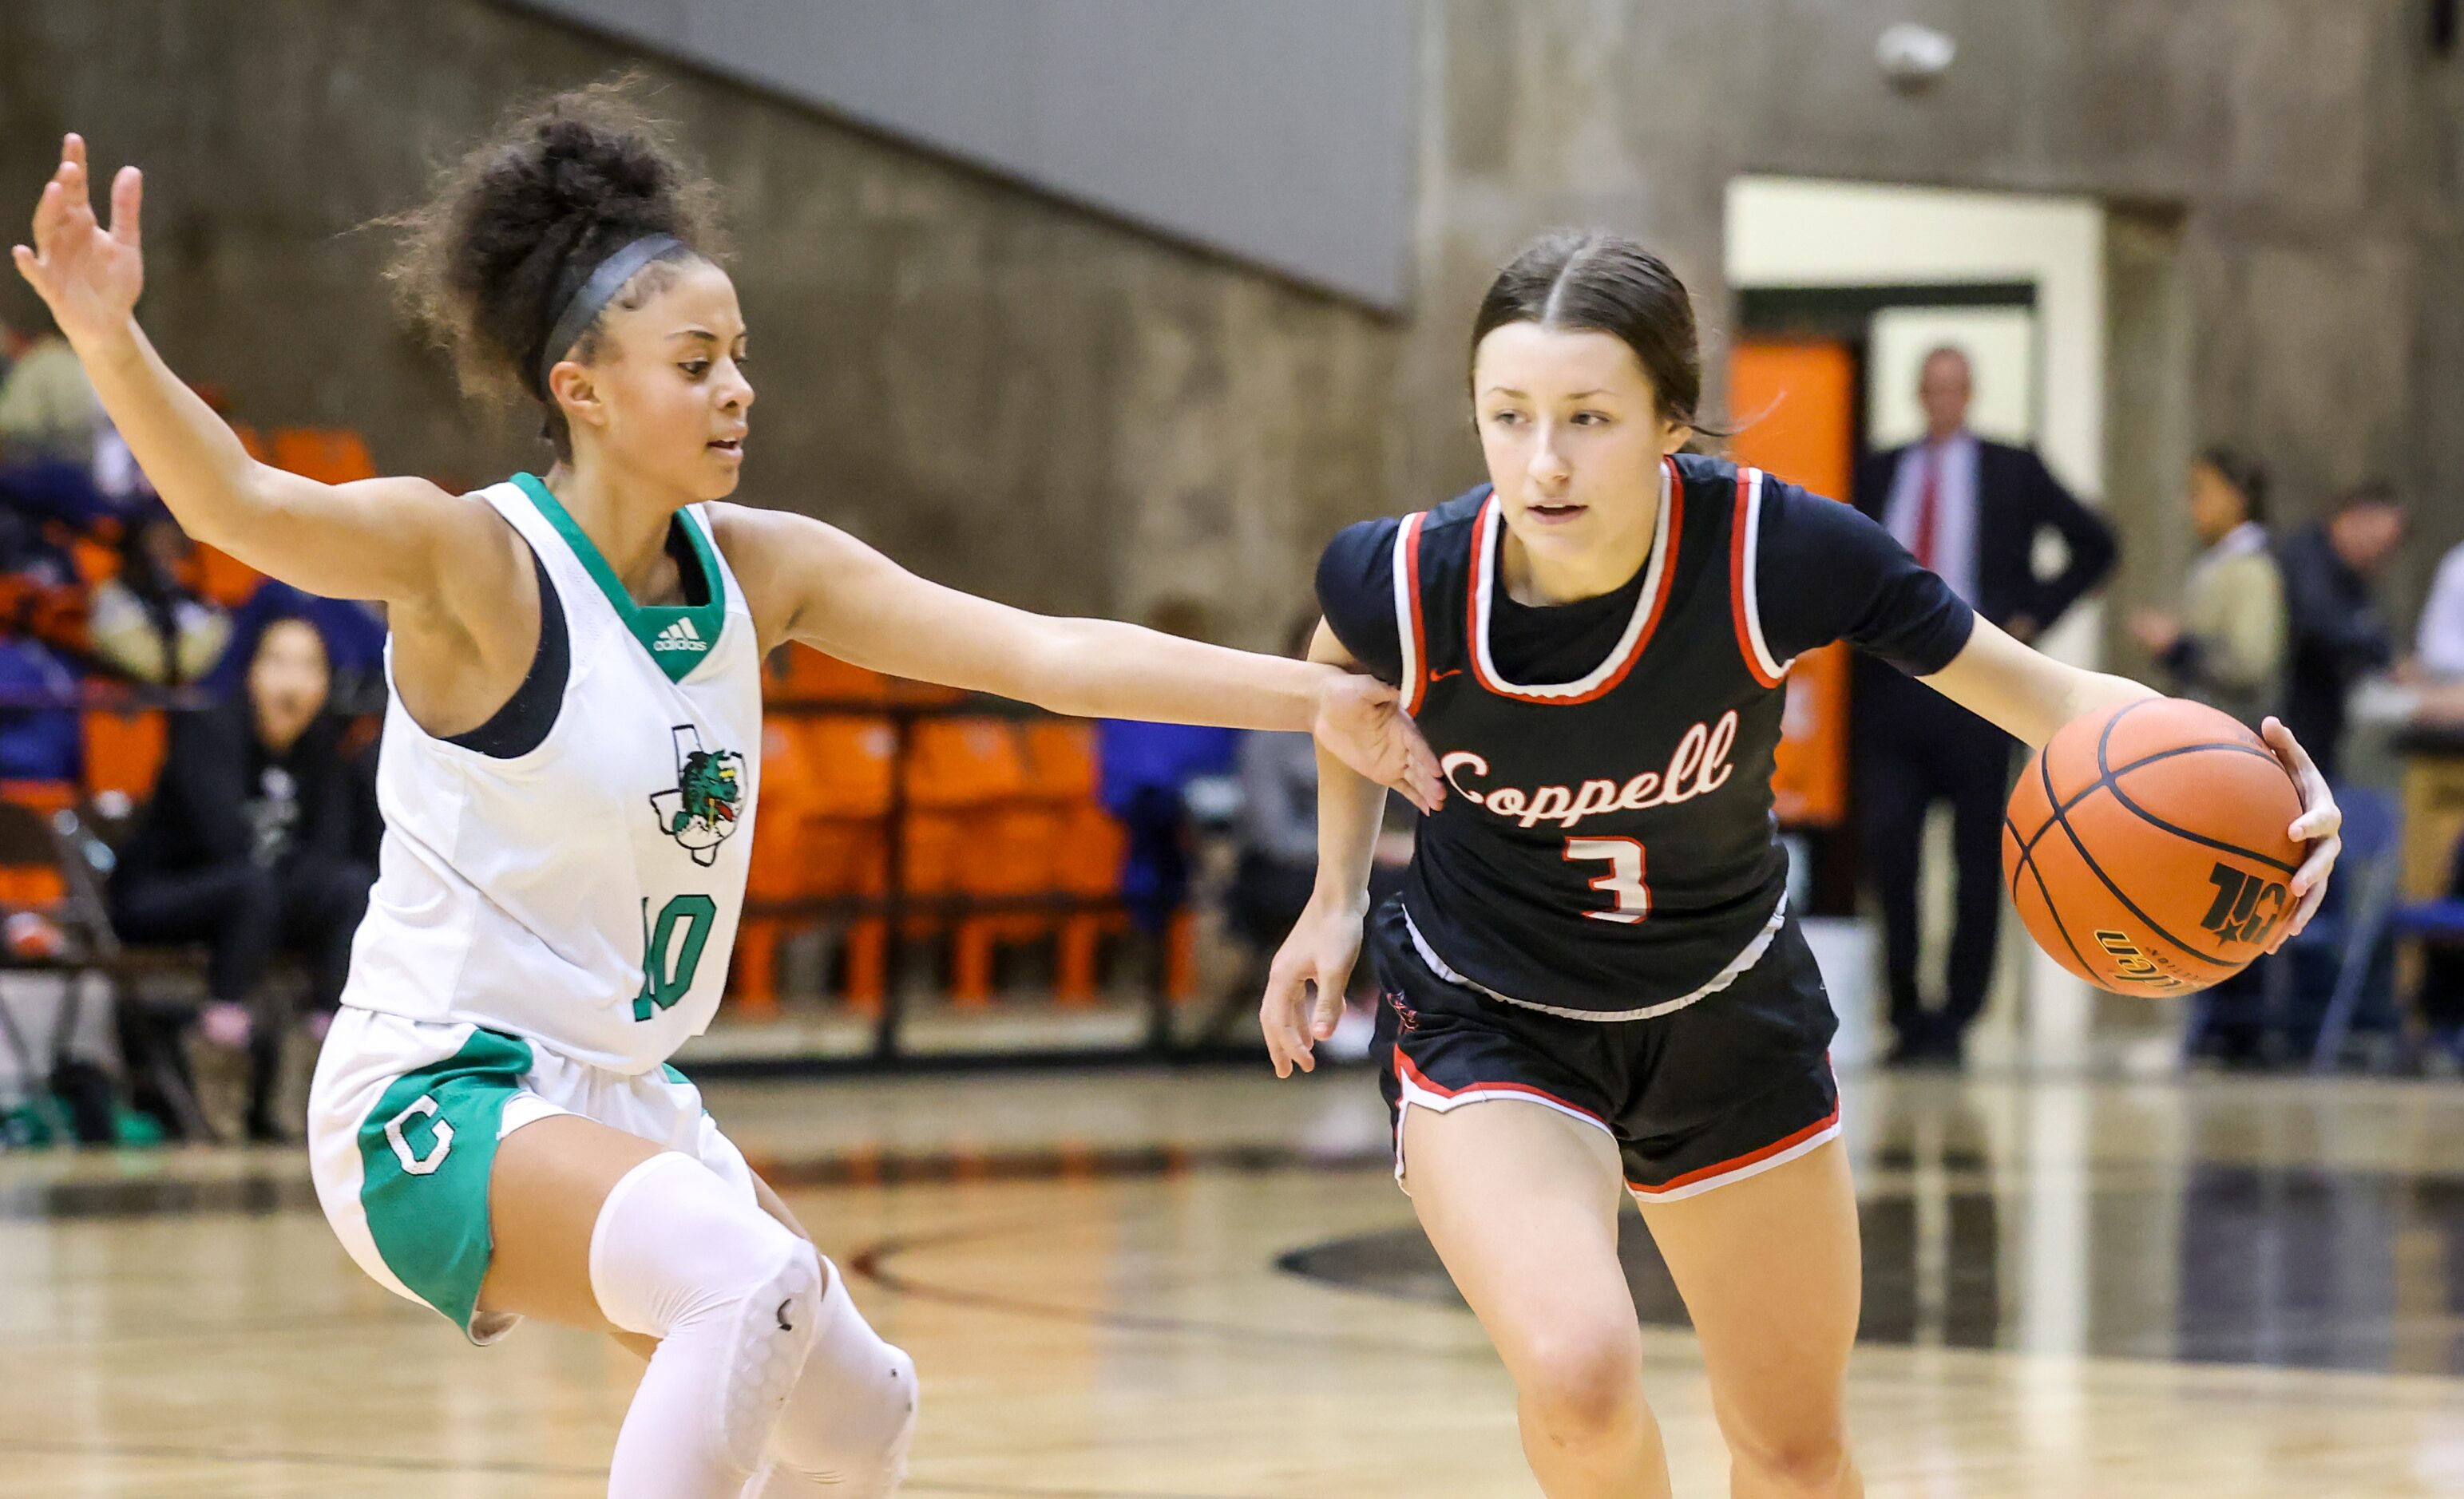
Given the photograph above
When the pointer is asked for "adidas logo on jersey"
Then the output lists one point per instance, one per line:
(680, 636)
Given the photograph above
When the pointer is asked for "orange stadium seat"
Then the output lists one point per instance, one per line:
(97, 562)
(963, 777)
(1087, 864)
(824, 792)
(851, 757)
(1062, 765)
(964, 762)
(123, 750)
(797, 674)
(326, 454)
(35, 886)
(225, 578)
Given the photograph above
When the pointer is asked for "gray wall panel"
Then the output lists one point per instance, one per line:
(1277, 131)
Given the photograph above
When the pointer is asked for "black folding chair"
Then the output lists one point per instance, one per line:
(59, 842)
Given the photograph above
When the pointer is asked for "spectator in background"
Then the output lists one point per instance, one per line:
(1278, 836)
(353, 632)
(1971, 512)
(1145, 772)
(2225, 648)
(52, 430)
(41, 735)
(1276, 826)
(2339, 634)
(49, 412)
(145, 622)
(246, 847)
(2438, 641)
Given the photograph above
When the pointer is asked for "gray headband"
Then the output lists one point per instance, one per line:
(591, 298)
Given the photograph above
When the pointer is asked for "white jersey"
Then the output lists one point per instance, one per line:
(582, 895)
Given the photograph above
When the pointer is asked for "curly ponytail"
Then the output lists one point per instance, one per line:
(512, 229)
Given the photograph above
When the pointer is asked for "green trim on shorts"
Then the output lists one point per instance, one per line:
(426, 1152)
(683, 1081)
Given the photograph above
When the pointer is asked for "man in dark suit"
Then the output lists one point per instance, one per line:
(1972, 511)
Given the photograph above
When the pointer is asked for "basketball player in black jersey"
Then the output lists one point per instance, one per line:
(1596, 924)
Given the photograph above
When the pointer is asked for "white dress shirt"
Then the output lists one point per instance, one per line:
(1954, 519)
(2440, 642)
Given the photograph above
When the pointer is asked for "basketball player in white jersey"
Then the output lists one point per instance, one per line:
(569, 775)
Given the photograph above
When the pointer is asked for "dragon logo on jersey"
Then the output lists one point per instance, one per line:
(701, 813)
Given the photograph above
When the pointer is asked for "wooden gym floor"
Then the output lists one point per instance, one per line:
(1133, 1286)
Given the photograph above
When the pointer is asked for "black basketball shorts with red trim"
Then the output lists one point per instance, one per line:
(1729, 1086)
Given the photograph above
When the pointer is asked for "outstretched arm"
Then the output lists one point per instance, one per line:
(2030, 695)
(2022, 691)
(815, 584)
(378, 539)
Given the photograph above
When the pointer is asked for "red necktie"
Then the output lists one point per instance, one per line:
(1929, 508)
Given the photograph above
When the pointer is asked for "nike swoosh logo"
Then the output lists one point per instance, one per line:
(784, 1325)
(1441, 675)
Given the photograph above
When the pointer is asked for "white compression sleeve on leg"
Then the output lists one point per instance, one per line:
(846, 1428)
(732, 1297)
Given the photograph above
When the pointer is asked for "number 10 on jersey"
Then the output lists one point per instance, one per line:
(1624, 879)
(669, 960)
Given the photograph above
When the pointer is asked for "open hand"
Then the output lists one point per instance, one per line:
(1324, 945)
(2317, 826)
(87, 274)
(1361, 722)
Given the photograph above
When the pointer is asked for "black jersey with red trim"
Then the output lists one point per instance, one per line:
(1608, 845)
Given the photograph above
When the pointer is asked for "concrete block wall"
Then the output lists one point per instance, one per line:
(1027, 399)
(1011, 396)
(2305, 150)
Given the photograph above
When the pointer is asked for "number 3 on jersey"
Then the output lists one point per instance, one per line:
(1624, 878)
(667, 979)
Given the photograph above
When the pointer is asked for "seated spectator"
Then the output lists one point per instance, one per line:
(145, 623)
(41, 735)
(354, 636)
(2338, 633)
(246, 847)
(2225, 648)
(1278, 830)
(1146, 769)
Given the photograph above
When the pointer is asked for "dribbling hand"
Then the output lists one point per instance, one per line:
(2317, 826)
(89, 275)
(1361, 722)
(1321, 951)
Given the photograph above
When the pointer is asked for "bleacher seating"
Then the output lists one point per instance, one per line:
(985, 831)
(1000, 838)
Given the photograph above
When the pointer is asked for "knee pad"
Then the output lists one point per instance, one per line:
(847, 1427)
(682, 1257)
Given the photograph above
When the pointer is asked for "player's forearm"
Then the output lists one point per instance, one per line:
(1351, 807)
(1101, 668)
(192, 458)
(2025, 693)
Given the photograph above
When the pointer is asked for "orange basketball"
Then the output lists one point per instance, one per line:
(2146, 847)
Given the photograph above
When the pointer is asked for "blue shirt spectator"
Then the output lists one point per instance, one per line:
(1146, 769)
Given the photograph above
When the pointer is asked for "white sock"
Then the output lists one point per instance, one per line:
(846, 1428)
(734, 1299)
